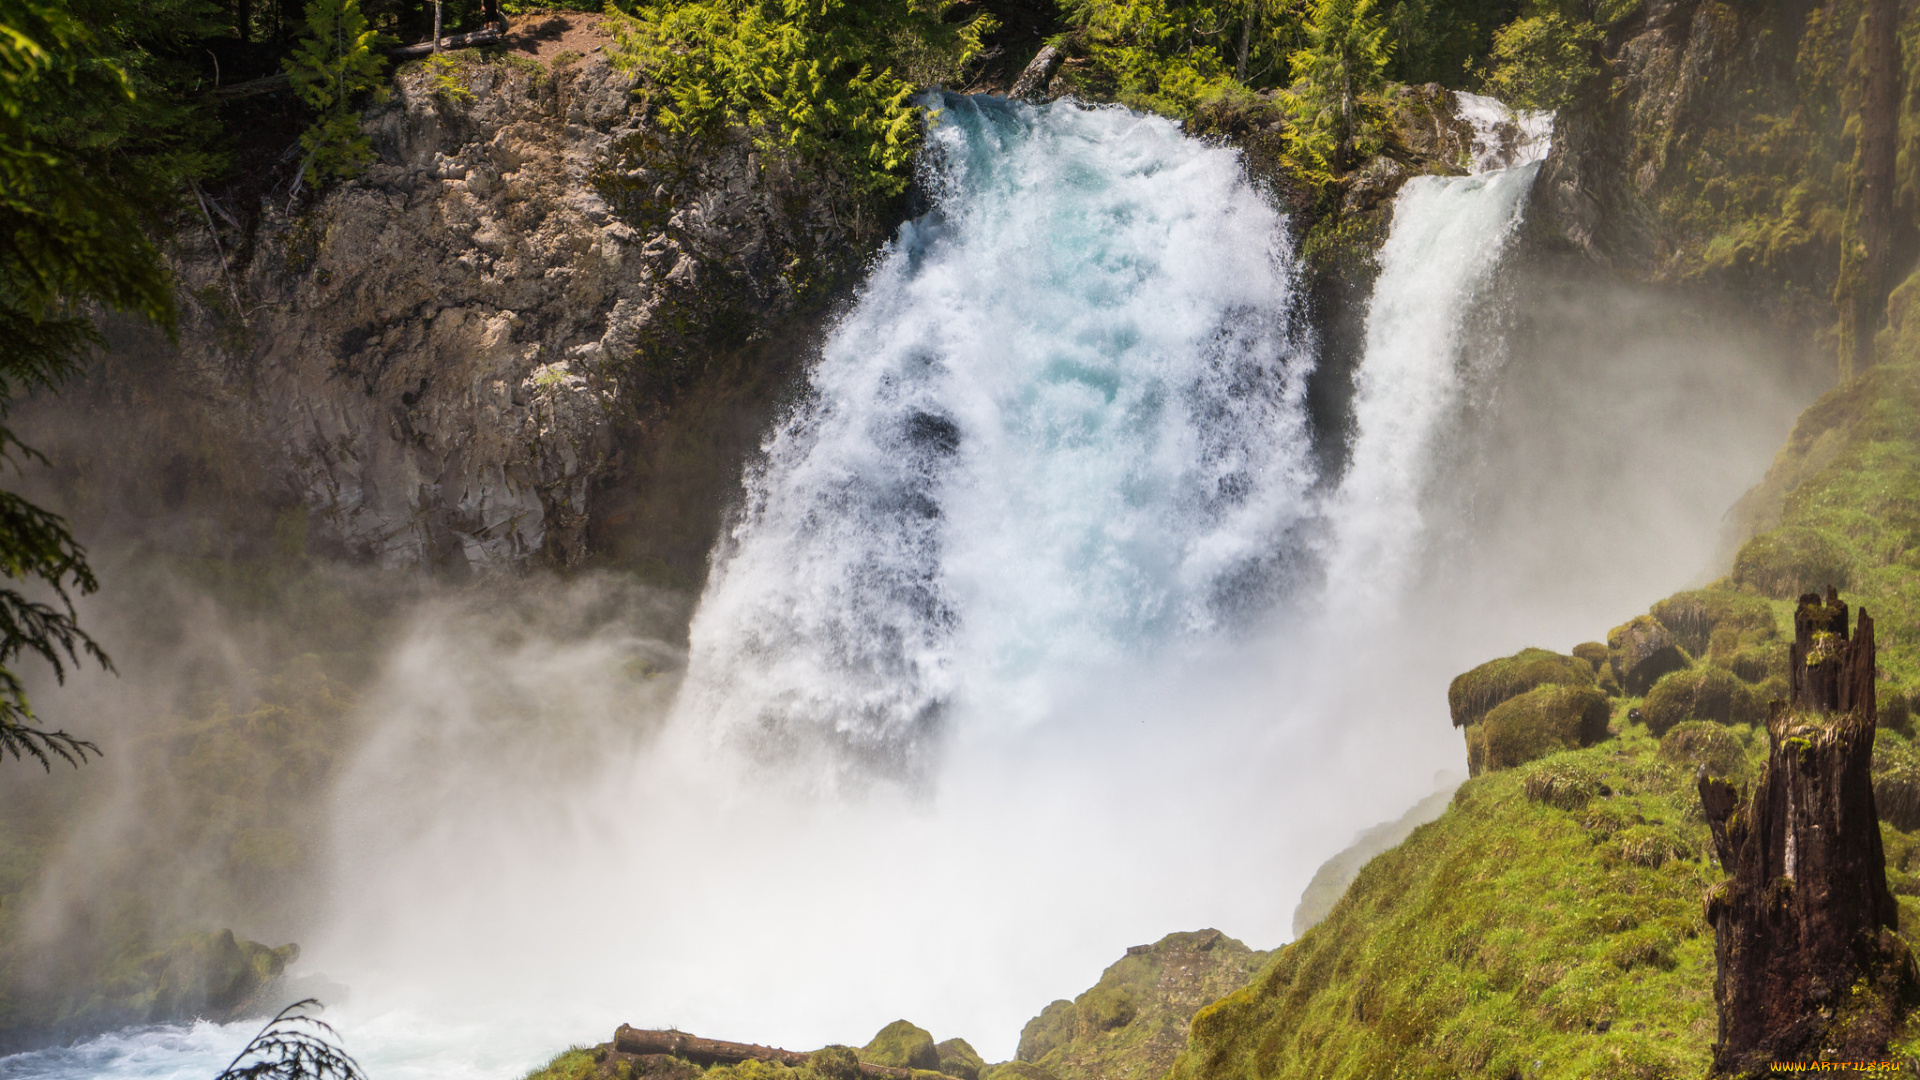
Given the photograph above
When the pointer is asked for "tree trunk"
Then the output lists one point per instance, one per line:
(436, 26)
(1867, 242)
(1809, 966)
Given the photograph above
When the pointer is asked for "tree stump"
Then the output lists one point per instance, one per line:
(1809, 966)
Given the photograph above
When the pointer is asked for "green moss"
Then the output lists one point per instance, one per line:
(1539, 722)
(1704, 693)
(957, 1058)
(575, 1063)
(1704, 621)
(1472, 695)
(1133, 1022)
(902, 1046)
(1695, 743)
(1791, 560)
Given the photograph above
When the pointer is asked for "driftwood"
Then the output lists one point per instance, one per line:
(1809, 962)
(273, 84)
(632, 1040)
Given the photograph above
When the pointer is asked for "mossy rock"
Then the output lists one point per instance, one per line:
(1791, 560)
(1472, 695)
(1564, 787)
(1053, 1027)
(1700, 616)
(901, 1045)
(1594, 653)
(834, 1063)
(1695, 743)
(1640, 651)
(1896, 713)
(1759, 663)
(1539, 722)
(1704, 693)
(1896, 781)
(957, 1058)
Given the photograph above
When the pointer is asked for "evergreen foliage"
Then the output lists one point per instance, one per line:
(1172, 57)
(333, 65)
(1335, 102)
(830, 81)
(1541, 61)
(294, 1046)
(92, 151)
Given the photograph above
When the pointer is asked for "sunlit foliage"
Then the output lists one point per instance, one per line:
(333, 66)
(828, 80)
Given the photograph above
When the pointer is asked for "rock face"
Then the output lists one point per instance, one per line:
(1641, 651)
(456, 354)
(1133, 1022)
(1809, 965)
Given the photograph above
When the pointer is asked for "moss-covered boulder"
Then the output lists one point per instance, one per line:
(1791, 560)
(1896, 781)
(903, 1046)
(1594, 653)
(1472, 695)
(1133, 1022)
(1716, 622)
(1896, 713)
(1640, 651)
(1692, 744)
(957, 1058)
(1535, 724)
(1702, 693)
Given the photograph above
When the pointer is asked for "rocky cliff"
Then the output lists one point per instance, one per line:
(482, 350)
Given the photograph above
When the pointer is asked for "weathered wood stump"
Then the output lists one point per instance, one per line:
(1809, 966)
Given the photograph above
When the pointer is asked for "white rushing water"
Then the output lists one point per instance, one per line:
(1448, 236)
(1063, 425)
(1009, 661)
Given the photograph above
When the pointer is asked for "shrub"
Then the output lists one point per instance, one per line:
(1542, 61)
(333, 65)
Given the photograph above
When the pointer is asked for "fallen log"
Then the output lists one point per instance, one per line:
(273, 84)
(631, 1040)
(489, 36)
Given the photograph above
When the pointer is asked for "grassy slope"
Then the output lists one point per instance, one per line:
(1514, 931)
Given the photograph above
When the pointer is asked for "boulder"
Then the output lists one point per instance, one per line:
(1537, 723)
(1705, 693)
(1792, 560)
(957, 1058)
(1038, 75)
(901, 1045)
(1640, 651)
(1471, 695)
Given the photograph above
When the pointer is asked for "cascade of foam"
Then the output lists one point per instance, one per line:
(1062, 424)
(1447, 238)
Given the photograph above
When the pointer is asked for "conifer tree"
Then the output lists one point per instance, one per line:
(1337, 78)
(333, 64)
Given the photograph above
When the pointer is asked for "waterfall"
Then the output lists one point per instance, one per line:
(1447, 239)
(1062, 425)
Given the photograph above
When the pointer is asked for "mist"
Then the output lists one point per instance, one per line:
(529, 830)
